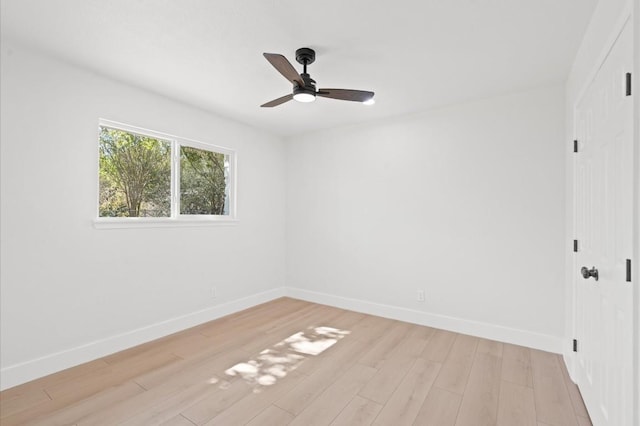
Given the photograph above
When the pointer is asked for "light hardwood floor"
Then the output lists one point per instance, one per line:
(299, 363)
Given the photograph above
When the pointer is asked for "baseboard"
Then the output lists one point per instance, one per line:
(500, 333)
(26, 371)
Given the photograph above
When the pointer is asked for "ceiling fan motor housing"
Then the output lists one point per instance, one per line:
(305, 56)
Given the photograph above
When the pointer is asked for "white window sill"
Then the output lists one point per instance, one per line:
(150, 222)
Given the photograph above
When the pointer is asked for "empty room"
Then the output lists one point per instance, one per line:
(268, 212)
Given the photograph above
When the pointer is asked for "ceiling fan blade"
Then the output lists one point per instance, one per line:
(346, 94)
(284, 67)
(278, 101)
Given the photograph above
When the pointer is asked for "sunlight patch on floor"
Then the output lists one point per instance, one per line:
(285, 356)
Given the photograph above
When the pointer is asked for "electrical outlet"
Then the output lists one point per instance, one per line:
(214, 292)
(420, 295)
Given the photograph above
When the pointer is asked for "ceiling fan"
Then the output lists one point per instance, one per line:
(304, 87)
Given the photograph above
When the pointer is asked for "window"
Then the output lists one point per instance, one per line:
(203, 177)
(150, 177)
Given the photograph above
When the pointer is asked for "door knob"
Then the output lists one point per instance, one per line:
(586, 272)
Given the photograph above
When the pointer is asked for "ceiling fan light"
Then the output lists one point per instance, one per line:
(369, 101)
(304, 97)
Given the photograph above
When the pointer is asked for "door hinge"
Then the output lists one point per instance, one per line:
(628, 84)
(575, 246)
(575, 345)
(575, 145)
(628, 270)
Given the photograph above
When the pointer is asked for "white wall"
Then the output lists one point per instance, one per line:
(466, 202)
(71, 292)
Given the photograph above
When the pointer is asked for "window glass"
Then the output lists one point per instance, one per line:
(135, 175)
(203, 182)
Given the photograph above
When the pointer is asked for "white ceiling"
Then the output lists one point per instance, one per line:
(415, 54)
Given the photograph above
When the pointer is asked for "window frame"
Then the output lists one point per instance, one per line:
(176, 219)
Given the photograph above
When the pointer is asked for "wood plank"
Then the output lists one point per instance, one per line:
(389, 375)
(332, 367)
(190, 386)
(491, 347)
(306, 323)
(440, 408)
(439, 345)
(216, 397)
(252, 405)
(346, 320)
(359, 411)
(177, 421)
(516, 365)
(384, 345)
(553, 404)
(272, 416)
(30, 415)
(149, 404)
(251, 320)
(66, 393)
(192, 369)
(480, 400)
(414, 342)
(216, 347)
(55, 412)
(73, 413)
(455, 369)
(54, 379)
(17, 402)
(371, 324)
(516, 405)
(311, 316)
(326, 407)
(216, 402)
(167, 344)
(363, 333)
(112, 375)
(405, 403)
(193, 347)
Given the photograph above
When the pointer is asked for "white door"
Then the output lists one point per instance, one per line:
(603, 218)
